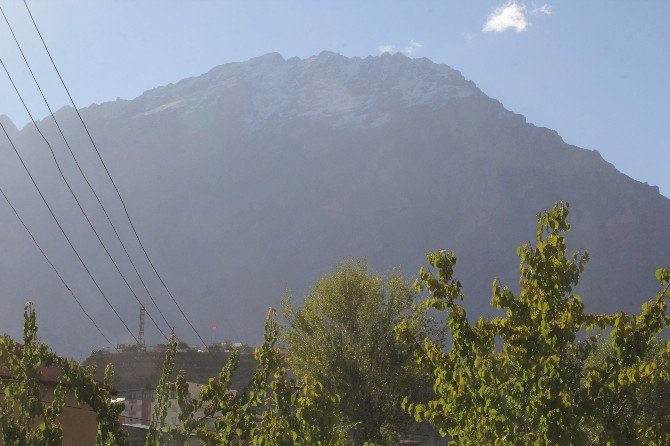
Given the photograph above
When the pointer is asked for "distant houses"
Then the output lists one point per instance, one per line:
(138, 413)
(137, 372)
(139, 405)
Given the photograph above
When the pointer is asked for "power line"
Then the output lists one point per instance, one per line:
(81, 208)
(109, 175)
(90, 186)
(39, 191)
(53, 267)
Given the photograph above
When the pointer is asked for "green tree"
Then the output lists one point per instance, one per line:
(645, 405)
(343, 336)
(525, 377)
(29, 411)
(273, 410)
(155, 436)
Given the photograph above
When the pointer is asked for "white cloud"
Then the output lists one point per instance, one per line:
(510, 15)
(545, 9)
(385, 48)
(412, 46)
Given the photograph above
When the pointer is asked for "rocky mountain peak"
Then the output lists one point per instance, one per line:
(8, 125)
(346, 90)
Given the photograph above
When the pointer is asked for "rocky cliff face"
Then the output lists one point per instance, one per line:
(256, 177)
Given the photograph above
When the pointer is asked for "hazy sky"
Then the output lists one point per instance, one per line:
(595, 71)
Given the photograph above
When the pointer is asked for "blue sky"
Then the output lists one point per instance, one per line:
(595, 71)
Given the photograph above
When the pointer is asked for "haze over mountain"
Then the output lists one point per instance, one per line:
(257, 177)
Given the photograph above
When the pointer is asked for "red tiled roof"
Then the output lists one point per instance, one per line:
(50, 375)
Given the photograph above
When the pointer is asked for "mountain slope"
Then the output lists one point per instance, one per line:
(256, 177)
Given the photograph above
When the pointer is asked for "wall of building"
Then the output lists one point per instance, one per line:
(138, 406)
(79, 423)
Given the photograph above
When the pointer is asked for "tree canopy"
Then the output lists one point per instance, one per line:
(526, 377)
(343, 336)
(364, 358)
(30, 412)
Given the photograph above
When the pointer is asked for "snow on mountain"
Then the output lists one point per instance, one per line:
(349, 91)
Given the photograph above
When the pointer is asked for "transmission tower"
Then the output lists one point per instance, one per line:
(140, 338)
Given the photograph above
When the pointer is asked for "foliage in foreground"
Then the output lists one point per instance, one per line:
(29, 411)
(538, 374)
(530, 377)
(343, 336)
(273, 410)
(645, 405)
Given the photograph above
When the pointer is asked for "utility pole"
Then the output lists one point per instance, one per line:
(140, 339)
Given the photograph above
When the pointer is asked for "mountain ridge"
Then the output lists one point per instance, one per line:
(256, 177)
(67, 111)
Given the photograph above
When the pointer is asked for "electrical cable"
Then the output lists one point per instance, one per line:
(76, 161)
(118, 193)
(81, 208)
(39, 191)
(53, 267)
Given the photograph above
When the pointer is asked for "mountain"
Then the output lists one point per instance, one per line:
(257, 177)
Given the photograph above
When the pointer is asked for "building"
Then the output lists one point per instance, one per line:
(138, 406)
(172, 418)
(137, 414)
(78, 421)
